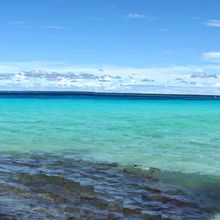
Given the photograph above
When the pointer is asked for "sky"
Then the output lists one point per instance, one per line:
(148, 36)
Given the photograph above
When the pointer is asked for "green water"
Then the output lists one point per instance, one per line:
(173, 135)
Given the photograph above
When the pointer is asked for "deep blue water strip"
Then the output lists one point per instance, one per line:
(75, 94)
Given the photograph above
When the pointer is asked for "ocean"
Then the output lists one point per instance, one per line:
(92, 157)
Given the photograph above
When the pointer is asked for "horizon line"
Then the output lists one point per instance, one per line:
(53, 93)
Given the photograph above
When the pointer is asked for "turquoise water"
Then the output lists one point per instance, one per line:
(109, 158)
(173, 135)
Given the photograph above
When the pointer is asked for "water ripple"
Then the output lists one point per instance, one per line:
(47, 186)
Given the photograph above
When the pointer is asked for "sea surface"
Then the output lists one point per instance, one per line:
(90, 157)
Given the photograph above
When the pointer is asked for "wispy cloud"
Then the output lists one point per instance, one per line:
(197, 18)
(213, 23)
(18, 22)
(139, 16)
(112, 6)
(166, 28)
(92, 18)
(212, 56)
(55, 27)
(46, 27)
(69, 66)
(136, 16)
(26, 25)
(168, 51)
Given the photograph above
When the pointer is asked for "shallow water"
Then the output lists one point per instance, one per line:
(46, 186)
(89, 158)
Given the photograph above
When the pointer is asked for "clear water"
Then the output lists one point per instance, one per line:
(77, 157)
(173, 135)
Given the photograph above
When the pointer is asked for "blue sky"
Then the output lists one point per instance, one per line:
(136, 33)
(150, 42)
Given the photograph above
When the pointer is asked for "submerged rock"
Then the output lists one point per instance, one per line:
(54, 187)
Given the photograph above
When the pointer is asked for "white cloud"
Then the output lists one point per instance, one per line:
(26, 25)
(136, 16)
(46, 27)
(55, 27)
(216, 85)
(213, 23)
(158, 71)
(139, 16)
(69, 66)
(63, 75)
(212, 56)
